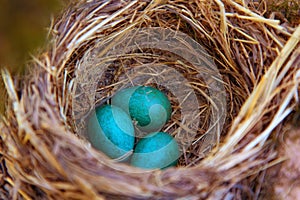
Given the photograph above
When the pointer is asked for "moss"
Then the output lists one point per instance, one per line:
(289, 8)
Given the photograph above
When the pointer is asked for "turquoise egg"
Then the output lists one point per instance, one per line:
(149, 107)
(156, 150)
(111, 131)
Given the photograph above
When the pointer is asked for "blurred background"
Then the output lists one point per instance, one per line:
(23, 30)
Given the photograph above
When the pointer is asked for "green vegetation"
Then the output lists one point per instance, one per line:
(23, 29)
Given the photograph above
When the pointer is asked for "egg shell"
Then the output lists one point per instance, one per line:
(111, 131)
(148, 106)
(156, 150)
(121, 98)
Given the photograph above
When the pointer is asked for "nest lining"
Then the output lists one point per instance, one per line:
(161, 69)
(44, 157)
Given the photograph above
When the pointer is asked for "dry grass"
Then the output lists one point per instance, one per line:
(45, 156)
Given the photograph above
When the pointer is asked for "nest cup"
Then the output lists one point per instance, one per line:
(231, 74)
(151, 56)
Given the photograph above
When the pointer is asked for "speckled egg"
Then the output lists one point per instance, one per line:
(148, 106)
(157, 150)
(111, 131)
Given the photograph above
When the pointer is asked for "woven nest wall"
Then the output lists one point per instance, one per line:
(228, 145)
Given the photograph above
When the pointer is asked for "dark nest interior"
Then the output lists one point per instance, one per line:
(230, 69)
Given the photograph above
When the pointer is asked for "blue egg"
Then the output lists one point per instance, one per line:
(149, 107)
(111, 131)
(156, 150)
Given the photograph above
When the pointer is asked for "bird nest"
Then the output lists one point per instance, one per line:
(231, 73)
